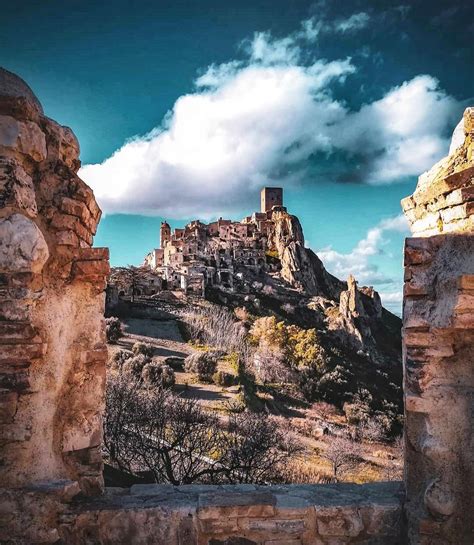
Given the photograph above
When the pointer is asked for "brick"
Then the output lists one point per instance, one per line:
(466, 282)
(67, 238)
(90, 268)
(20, 352)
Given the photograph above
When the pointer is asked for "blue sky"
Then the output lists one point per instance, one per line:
(185, 109)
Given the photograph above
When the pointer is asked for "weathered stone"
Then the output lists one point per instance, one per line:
(339, 521)
(438, 339)
(23, 137)
(23, 247)
(52, 357)
(16, 188)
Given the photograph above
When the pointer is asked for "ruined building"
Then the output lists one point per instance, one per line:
(52, 372)
(201, 254)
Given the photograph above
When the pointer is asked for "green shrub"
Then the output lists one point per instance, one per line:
(221, 378)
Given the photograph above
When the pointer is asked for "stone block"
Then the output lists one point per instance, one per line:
(458, 212)
(224, 525)
(8, 405)
(339, 521)
(16, 188)
(273, 526)
(93, 356)
(284, 541)
(466, 282)
(25, 137)
(256, 504)
(17, 332)
(83, 433)
(460, 196)
(417, 404)
(18, 353)
(23, 247)
(67, 238)
(83, 269)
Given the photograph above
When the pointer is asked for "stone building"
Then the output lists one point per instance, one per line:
(201, 255)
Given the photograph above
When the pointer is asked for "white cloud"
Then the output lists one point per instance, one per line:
(400, 133)
(355, 22)
(357, 262)
(259, 120)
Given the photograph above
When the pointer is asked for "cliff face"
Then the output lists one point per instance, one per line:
(353, 314)
(300, 266)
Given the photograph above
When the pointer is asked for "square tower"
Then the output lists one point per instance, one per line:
(270, 197)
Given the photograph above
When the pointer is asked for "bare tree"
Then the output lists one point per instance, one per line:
(178, 442)
(343, 455)
(270, 364)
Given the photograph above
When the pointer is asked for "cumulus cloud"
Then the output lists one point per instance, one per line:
(358, 261)
(398, 134)
(262, 120)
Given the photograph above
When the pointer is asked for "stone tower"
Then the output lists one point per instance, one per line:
(270, 197)
(165, 234)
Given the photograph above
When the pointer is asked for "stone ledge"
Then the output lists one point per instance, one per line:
(238, 514)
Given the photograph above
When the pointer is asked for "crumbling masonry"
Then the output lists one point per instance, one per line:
(52, 367)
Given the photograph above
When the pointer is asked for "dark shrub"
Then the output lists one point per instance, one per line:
(203, 364)
(120, 357)
(143, 348)
(158, 374)
(221, 378)
(113, 329)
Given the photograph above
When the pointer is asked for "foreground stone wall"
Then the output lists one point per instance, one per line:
(239, 515)
(52, 342)
(439, 351)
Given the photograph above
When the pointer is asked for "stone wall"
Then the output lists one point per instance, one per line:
(239, 515)
(52, 342)
(439, 351)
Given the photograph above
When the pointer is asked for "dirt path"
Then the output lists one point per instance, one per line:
(163, 335)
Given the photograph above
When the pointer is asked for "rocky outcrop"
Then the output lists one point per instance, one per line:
(52, 342)
(300, 266)
(438, 343)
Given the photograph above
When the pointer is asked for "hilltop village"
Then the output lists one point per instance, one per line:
(204, 255)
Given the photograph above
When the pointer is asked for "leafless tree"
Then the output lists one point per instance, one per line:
(178, 442)
(270, 365)
(342, 453)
